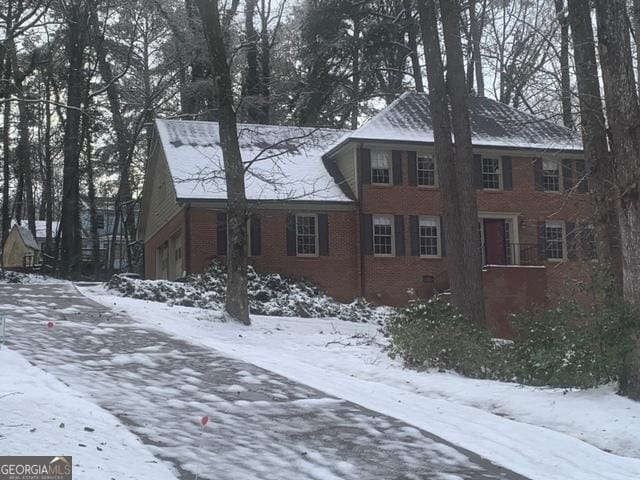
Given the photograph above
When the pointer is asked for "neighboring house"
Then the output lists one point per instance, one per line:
(359, 212)
(105, 222)
(21, 250)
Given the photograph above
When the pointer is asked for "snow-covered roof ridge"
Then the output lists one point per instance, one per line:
(283, 162)
(493, 124)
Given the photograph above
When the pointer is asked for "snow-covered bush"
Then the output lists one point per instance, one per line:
(432, 334)
(269, 294)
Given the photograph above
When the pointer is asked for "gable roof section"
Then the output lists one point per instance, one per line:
(284, 163)
(493, 124)
(27, 237)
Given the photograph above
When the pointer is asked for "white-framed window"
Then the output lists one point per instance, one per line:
(555, 240)
(429, 234)
(426, 171)
(306, 235)
(381, 167)
(491, 173)
(551, 175)
(383, 232)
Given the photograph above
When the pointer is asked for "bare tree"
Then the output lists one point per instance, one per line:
(236, 300)
(77, 13)
(623, 116)
(454, 165)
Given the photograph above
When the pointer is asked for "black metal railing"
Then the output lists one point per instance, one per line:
(526, 254)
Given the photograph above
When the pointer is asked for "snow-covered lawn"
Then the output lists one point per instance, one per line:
(41, 416)
(541, 433)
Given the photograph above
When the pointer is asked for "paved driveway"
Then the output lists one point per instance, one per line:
(263, 426)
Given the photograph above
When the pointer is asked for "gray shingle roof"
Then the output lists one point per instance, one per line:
(493, 124)
(27, 237)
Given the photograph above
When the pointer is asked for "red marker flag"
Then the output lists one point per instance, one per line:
(204, 420)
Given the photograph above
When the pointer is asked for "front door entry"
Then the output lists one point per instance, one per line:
(495, 245)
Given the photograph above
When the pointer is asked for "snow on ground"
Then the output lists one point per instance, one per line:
(545, 434)
(42, 416)
(33, 278)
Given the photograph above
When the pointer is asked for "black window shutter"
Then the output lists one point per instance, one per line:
(537, 174)
(291, 235)
(366, 234)
(364, 165)
(396, 159)
(477, 171)
(507, 174)
(588, 242)
(256, 236)
(443, 239)
(221, 233)
(412, 166)
(414, 227)
(399, 231)
(542, 240)
(582, 177)
(323, 234)
(567, 175)
(570, 230)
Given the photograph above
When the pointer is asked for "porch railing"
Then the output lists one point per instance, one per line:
(527, 254)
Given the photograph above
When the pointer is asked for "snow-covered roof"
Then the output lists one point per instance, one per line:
(27, 237)
(493, 124)
(284, 163)
(41, 228)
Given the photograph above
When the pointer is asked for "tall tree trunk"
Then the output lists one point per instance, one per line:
(236, 300)
(355, 74)
(6, 171)
(636, 30)
(412, 43)
(565, 72)
(251, 82)
(454, 166)
(47, 190)
(475, 27)
(623, 114)
(71, 234)
(265, 64)
(594, 137)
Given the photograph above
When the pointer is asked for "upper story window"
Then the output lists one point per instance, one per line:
(551, 175)
(381, 167)
(491, 173)
(426, 174)
(306, 235)
(555, 240)
(100, 222)
(383, 235)
(429, 231)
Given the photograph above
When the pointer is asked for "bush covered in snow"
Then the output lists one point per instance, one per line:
(269, 294)
(432, 334)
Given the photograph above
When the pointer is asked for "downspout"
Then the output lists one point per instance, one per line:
(360, 214)
(187, 238)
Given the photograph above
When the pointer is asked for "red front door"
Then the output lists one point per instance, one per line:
(495, 248)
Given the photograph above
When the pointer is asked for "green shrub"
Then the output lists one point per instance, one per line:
(572, 345)
(569, 345)
(432, 334)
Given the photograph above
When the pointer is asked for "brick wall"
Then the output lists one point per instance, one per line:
(337, 273)
(510, 290)
(388, 279)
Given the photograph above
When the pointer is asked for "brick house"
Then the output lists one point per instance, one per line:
(359, 212)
